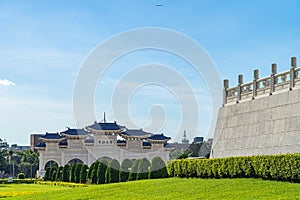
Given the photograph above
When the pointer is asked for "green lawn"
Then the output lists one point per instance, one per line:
(172, 188)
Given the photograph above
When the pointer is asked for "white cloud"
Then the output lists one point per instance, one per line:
(5, 82)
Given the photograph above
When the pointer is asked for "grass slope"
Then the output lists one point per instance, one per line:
(172, 188)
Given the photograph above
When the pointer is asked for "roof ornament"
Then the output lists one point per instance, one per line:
(104, 119)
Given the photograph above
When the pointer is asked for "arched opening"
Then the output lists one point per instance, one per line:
(75, 161)
(106, 158)
(51, 163)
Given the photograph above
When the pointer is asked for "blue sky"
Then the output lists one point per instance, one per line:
(44, 43)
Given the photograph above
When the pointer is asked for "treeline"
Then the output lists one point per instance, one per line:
(15, 162)
(108, 171)
(272, 167)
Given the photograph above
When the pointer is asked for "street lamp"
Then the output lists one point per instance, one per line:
(31, 170)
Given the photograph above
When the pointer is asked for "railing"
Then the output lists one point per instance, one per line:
(286, 80)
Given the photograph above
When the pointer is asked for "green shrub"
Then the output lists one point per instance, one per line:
(17, 181)
(101, 170)
(272, 167)
(112, 172)
(65, 173)
(143, 169)
(47, 174)
(77, 173)
(124, 170)
(89, 175)
(170, 168)
(52, 173)
(94, 172)
(158, 168)
(133, 171)
(21, 176)
(72, 173)
(64, 184)
(59, 173)
(83, 173)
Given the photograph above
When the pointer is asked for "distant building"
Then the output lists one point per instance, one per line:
(15, 147)
(3, 144)
(34, 141)
(99, 140)
(185, 140)
(198, 140)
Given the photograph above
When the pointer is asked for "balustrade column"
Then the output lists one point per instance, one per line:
(240, 82)
(292, 72)
(255, 77)
(274, 72)
(225, 92)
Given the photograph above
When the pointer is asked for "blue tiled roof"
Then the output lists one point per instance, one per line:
(146, 144)
(63, 143)
(52, 136)
(136, 132)
(121, 141)
(158, 137)
(42, 144)
(105, 126)
(89, 140)
(72, 131)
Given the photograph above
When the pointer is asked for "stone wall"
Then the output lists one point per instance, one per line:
(265, 124)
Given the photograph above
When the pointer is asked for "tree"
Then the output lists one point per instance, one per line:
(77, 173)
(133, 171)
(59, 174)
(23, 162)
(112, 172)
(65, 173)
(72, 173)
(52, 173)
(124, 171)
(25, 168)
(89, 175)
(94, 172)
(101, 170)
(83, 173)
(158, 168)
(143, 169)
(4, 165)
(205, 150)
(47, 174)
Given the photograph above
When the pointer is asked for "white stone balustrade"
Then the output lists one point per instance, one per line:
(259, 87)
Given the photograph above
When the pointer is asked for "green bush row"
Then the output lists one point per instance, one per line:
(76, 173)
(65, 184)
(17, 181)
(110, 172)
(105, 171)
(283, 167)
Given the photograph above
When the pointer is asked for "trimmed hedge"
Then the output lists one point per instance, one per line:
(21, 176)
(17, 181)
(112, 172)
(133, 170)
(284, 167)
(101, 169)
(158, 168)
(143, 169)
(124, 170)
(64, 184)
(83, 173)
(93, 170)
(65, 173)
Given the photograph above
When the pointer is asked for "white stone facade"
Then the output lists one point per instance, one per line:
(96, 144)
